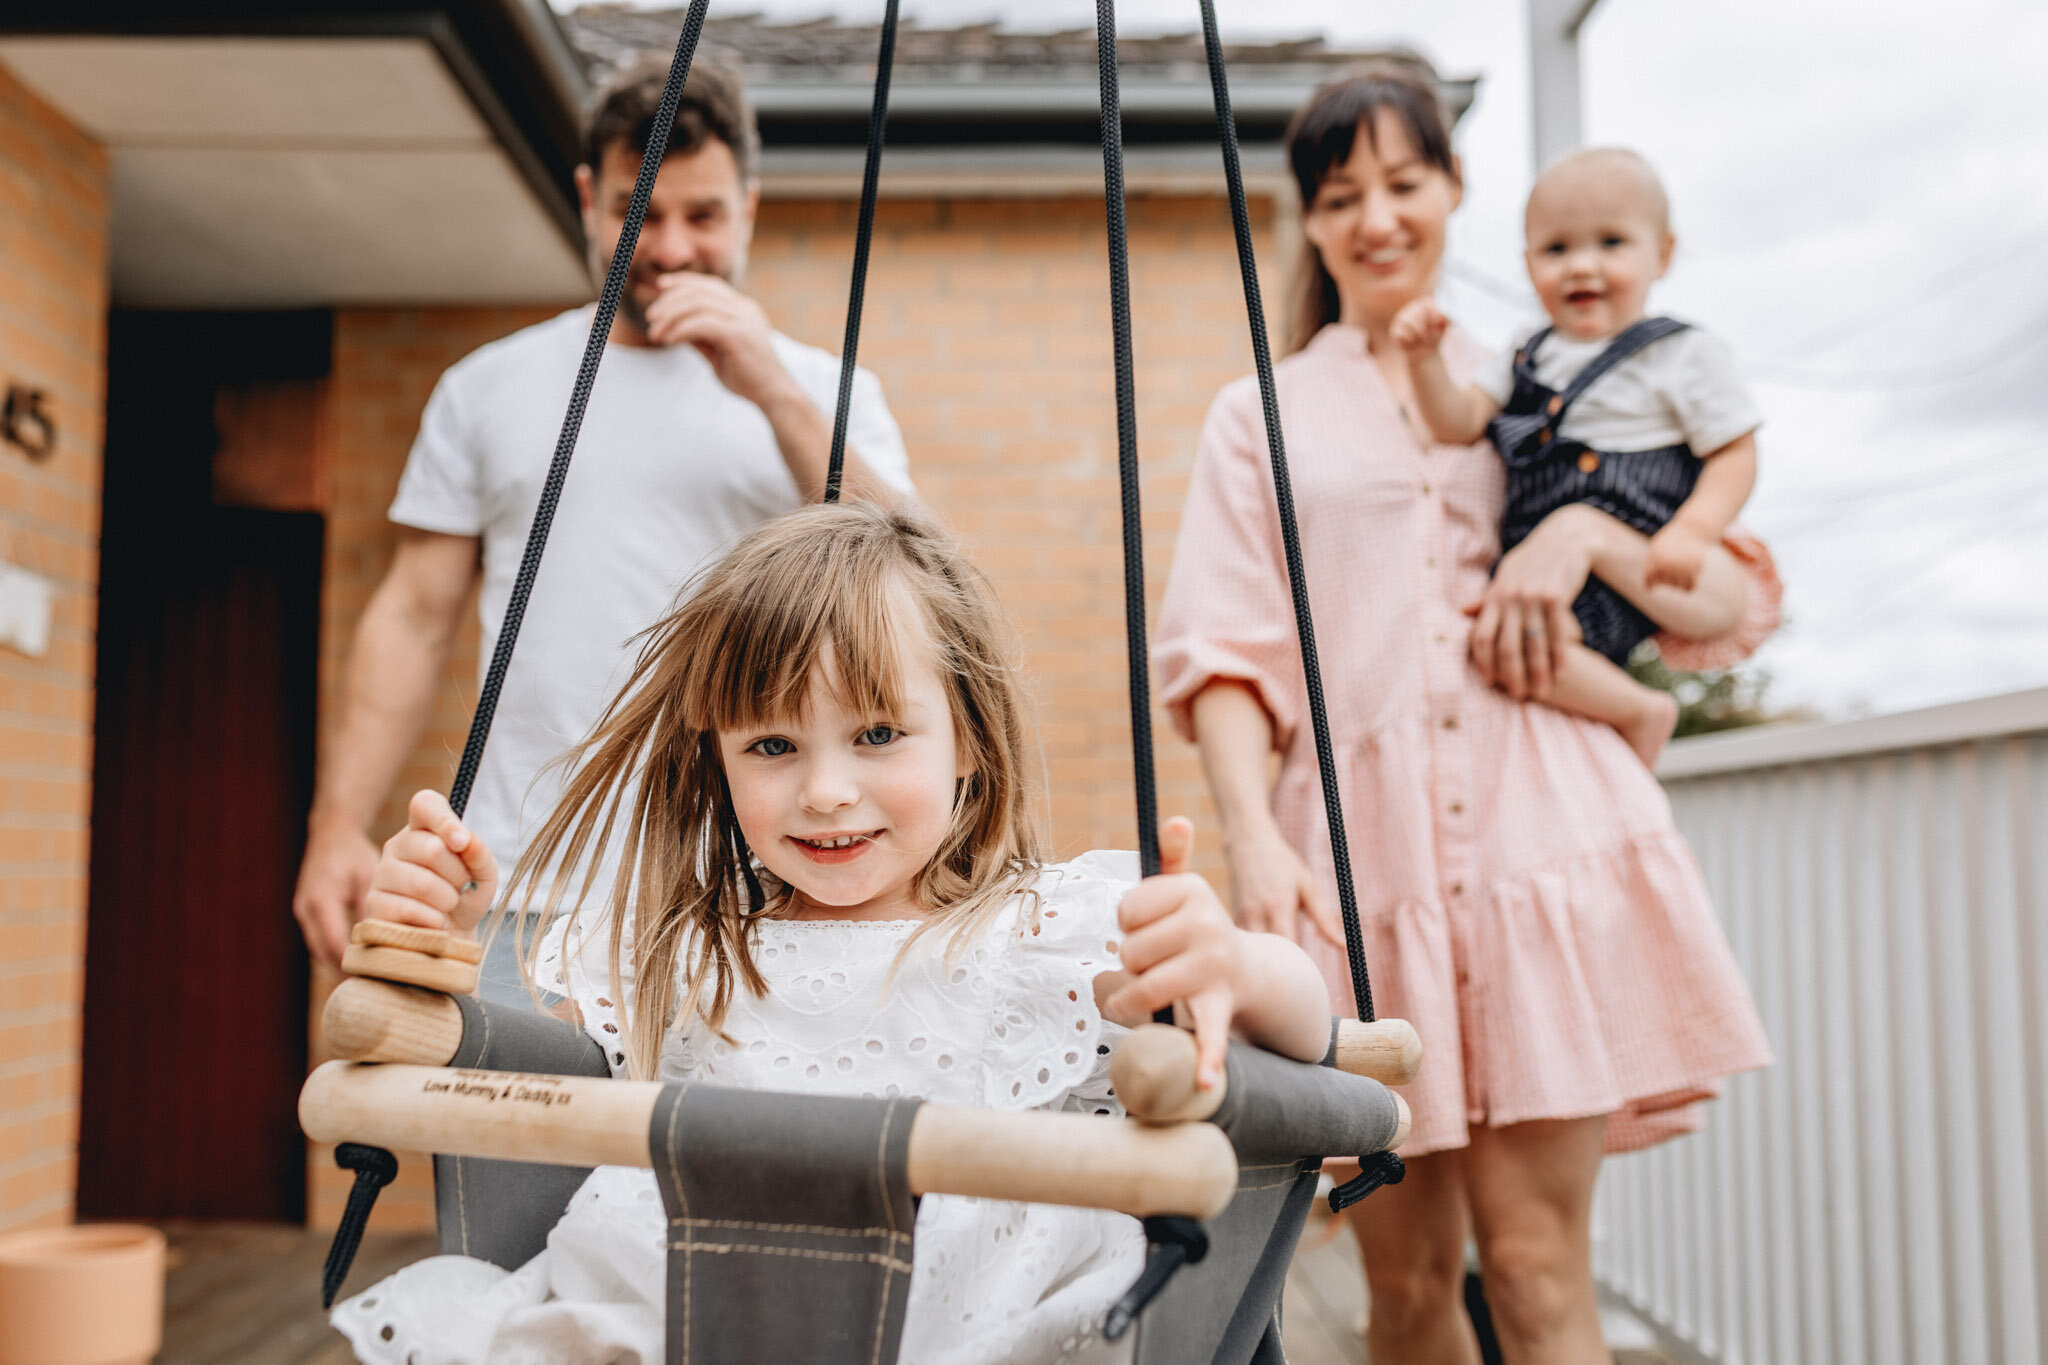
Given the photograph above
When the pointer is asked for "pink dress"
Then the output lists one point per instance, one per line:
(1526, 901)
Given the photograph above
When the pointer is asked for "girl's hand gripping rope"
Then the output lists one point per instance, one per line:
(434, 873)
(1181, 947)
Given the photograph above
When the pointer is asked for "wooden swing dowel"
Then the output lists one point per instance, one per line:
(589, 1121)
(1085, 1159)
(367, 1020)
(1153, 1072)
(1387, 1050)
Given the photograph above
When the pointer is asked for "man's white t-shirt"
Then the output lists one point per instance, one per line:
(671, 468)
(1682, 388)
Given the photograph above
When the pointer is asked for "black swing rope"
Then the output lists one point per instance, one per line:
(1378, 1168)
(871, 174)
(373, 1166)
(579, 398)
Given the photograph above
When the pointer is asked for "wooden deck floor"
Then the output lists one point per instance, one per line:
(249, 1294)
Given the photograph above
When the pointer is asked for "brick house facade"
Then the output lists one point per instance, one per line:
(53, 313)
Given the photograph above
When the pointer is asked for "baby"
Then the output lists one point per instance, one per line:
(1641, 417)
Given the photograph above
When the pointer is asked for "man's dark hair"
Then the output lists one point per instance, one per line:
(713, 106)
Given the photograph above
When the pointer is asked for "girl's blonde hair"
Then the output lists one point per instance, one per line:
(875, 588)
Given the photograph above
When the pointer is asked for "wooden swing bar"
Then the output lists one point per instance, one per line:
(1032, 1155)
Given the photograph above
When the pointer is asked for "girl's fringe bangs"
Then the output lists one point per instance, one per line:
(770, 643)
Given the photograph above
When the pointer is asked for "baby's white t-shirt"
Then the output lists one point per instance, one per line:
(1684, 387)
(670, 469)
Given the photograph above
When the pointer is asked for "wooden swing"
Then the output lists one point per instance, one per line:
(517, 1104)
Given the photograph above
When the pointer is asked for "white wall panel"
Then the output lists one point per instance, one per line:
(1880, 1196)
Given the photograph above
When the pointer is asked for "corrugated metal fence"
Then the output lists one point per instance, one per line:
(1881, 1194)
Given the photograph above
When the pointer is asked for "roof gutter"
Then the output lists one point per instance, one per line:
(509, 56)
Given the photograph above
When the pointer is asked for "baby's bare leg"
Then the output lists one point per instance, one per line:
(1712, 606)
(1592, 685)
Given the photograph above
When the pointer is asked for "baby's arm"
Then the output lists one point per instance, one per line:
(1180, 945)
(1679, 549)
(1457, 416)
(434, 872)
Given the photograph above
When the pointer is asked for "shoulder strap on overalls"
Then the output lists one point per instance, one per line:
(1631, 339)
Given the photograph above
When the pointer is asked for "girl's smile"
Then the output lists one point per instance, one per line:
(836, 848)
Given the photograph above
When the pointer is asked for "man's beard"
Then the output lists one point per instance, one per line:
(633, 310)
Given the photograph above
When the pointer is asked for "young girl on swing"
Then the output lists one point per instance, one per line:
(831, 879)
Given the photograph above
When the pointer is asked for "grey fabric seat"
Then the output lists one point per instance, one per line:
(819, 1188)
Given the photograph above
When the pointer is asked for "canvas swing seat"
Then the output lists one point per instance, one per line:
(792, 1216)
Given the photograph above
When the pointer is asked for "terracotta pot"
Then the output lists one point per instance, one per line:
(87, 1295)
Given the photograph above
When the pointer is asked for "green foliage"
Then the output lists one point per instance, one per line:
(1726, 700)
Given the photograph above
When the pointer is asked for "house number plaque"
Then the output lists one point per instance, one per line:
(25, 422)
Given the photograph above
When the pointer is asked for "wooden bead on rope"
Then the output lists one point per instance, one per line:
(367, 1020)
(1153, 1072)
(1386, 1050)
(413, 956)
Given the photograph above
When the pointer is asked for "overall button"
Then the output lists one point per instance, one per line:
(1556, 404)
(1588, 462)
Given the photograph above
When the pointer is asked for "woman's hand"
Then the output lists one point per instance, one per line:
(1180, 947)
(1274, 890)
(434, 872)
(1524, 623)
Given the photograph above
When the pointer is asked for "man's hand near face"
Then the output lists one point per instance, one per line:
(728, 328)
(732, 332)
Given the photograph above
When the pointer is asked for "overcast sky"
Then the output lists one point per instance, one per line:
(1860, 189)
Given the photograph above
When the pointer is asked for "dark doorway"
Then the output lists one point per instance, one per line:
(196, 978)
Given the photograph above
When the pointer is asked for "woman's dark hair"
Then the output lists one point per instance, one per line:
(713, 107)
(1321, 138)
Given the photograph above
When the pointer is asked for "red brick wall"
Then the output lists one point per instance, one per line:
(53, 305)
(988, 323)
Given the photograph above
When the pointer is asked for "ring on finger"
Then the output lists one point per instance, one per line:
(1534, 630)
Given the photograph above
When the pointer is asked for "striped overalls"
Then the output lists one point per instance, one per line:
(1641, 487)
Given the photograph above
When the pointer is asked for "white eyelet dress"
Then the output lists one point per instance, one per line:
(1007, 1022)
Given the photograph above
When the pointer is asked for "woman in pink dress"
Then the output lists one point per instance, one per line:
(1525, 898)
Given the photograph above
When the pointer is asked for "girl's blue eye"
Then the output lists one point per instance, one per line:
(878, 735)
(774, 746)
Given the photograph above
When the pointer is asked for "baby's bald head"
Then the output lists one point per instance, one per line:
(1615, 176)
